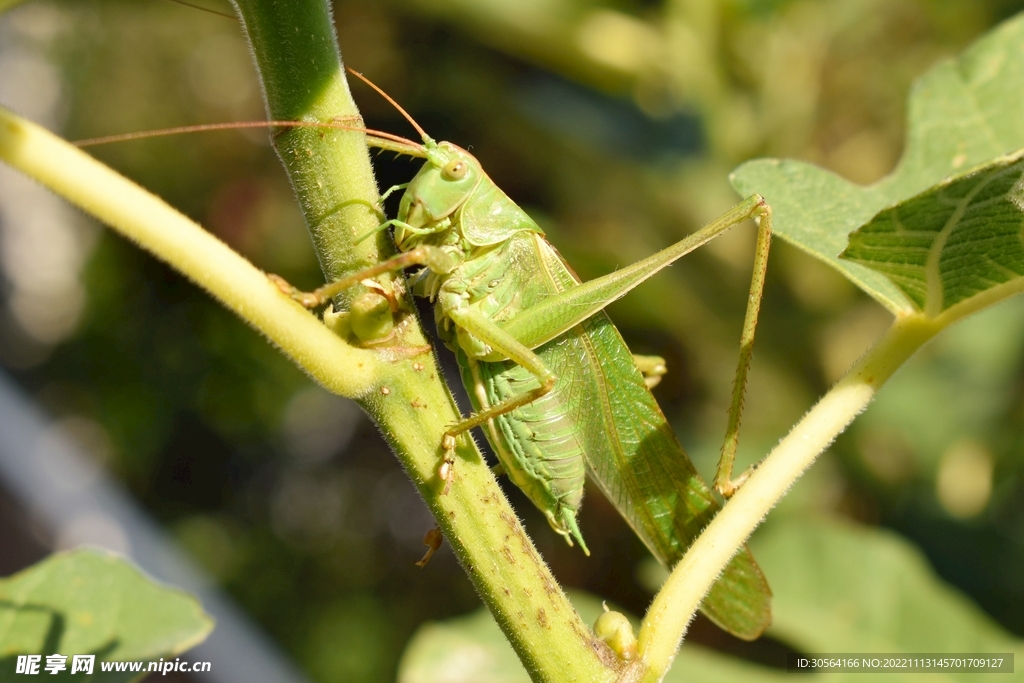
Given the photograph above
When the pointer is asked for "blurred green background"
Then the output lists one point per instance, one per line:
(615, 125)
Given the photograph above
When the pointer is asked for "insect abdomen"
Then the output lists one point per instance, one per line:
(538, 444)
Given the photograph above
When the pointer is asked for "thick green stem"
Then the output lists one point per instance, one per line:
(300, 66)
(673, 608)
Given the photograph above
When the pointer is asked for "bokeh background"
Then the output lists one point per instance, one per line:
(615, 124)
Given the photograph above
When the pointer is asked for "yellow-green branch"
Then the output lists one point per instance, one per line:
(158, 228)
(669, 615)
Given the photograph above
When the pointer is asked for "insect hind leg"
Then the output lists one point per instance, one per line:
(724, 483)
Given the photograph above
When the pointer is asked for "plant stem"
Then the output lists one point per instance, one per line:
(669, 615)
(160, 229)
(476, 518)
(300, 66)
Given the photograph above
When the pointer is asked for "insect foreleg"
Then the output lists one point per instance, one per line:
(423, 255)
(394, 222)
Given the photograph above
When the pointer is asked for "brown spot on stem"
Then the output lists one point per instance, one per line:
(542, 618)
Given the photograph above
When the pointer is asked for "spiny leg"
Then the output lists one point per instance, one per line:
(723, 479)
(423, 255)
(391, 190)
(507, 346)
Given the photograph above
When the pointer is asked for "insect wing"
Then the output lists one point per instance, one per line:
(635, 459)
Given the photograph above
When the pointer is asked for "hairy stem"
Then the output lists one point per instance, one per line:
(300, 67)
(160, 229)
(669, 615)
(405, 397)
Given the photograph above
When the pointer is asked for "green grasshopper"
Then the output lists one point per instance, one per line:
(551, 381)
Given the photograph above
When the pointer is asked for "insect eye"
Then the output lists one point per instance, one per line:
(456, 169)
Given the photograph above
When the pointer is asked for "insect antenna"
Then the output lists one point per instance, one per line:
(378, 138)
(394, 104)
(208, 10)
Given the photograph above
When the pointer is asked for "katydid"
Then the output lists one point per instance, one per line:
(552, 384)
(550, 379)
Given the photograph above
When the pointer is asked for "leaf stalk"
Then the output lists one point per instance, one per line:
(673, 608)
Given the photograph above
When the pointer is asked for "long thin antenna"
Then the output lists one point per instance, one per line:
(208, 10)
(394, 104)
(124, 137)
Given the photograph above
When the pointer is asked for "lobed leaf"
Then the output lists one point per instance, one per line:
(952, 242)
(962, 113)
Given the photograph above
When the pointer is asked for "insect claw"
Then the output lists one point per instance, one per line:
(281, 283)
(433, 541)
(729, 488)
(446, 475)
(307, 299)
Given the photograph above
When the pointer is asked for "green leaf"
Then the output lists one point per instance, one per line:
(952, 242)
(842, 588)
(87, 602)
(837, 587)
(962, 114)
(470, 649)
